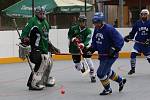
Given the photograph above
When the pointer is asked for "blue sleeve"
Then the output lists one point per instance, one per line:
(133, 31)
(117, 39)
(93, 44)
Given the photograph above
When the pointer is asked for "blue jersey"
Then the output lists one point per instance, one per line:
(141, 30)
(106, 37)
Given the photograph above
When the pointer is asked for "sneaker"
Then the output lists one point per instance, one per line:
(106, 92)
(93, 79)
(121, 84)
(38, 87)
(132, 71)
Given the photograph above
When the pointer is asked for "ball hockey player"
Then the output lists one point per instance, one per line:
(36, 34)
(141, 33)
(79, 37)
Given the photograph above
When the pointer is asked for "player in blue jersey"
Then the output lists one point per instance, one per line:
(141, 33)
(108, 42)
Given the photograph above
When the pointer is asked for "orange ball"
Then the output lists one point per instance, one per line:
(62, 91)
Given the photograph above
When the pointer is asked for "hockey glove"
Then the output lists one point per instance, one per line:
(112, 52)
(81, 45)
(76, 40)
(25, 41)
(127, 38)
(90, 50)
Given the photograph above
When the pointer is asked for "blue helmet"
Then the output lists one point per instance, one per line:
(98, 17)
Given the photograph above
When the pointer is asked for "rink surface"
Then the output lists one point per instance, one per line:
(13, 78)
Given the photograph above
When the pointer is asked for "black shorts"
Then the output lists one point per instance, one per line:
(77, 58)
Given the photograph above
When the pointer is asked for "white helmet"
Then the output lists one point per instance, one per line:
(40, 9)
(144, 11)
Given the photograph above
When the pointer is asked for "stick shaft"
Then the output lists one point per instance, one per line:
(28, 59)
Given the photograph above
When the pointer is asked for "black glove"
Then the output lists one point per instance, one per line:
(25, 41)
(127, 38)
(147, 42)
(112, 52)
(90, 50)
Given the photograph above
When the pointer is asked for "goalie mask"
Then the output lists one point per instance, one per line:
(40, 12)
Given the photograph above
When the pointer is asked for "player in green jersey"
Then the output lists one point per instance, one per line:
(79, 37)
(36, 34)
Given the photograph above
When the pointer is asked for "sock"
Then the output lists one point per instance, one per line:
(106, 83)
(115, 77)
(133, 62)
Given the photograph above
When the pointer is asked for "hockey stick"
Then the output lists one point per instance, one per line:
(87, 70)
(137, 41)
(16, 28)
(22, 46)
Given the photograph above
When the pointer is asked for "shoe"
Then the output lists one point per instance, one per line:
(132, 71)
(93, 79)
(37, 87)
(106, 92)
(121, 84)
(50, 82)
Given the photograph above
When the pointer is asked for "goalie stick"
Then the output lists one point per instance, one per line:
(31, 67)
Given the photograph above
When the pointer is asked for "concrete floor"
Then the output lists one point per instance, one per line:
(13, 78)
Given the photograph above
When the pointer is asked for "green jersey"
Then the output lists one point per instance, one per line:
(84, 35)
(43, 28)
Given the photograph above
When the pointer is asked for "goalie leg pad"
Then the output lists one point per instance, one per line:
(35, 80)
(47, 71)
(38, 74)
(48, 66)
